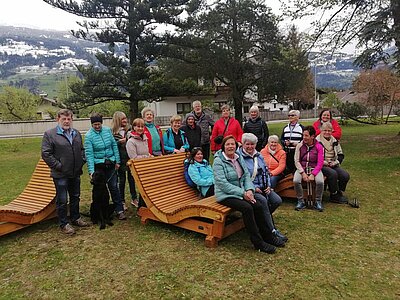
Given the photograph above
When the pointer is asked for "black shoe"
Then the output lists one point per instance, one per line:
(275, 241)
(338, 198)
(266, 248)
(300, 205)
(318, 206)
(278, 234)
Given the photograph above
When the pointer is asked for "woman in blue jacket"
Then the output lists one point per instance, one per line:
(102, 155)
(201, 172)
(174, 139)
(259, 174)
(234, 188)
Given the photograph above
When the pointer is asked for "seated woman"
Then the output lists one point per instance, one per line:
(333, 156)
(233, 188)
(174, 139)
(275, 159)
(326, 117)
(309, 159)
(137, 146)
(259, 174)
(201, 172)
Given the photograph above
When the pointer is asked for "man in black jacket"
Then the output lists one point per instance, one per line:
(63, 152)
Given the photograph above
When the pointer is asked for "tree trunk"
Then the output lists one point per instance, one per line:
(237, 99)
(391, 106)
(134, 108)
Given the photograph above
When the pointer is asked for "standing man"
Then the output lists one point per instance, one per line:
(204, 121)
(63, 152)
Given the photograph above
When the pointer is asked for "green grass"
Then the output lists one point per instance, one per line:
(340, 253)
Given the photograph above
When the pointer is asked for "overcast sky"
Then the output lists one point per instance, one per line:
(38, 14)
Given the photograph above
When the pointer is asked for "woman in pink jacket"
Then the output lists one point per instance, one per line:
(324, 117)
(309, 160)
(225, 126)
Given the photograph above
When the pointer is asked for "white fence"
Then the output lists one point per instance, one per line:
(37, 128)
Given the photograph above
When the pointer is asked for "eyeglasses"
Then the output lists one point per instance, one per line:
(291, 115)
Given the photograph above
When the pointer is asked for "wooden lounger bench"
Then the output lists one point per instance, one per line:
(169, 199)
(34, 204)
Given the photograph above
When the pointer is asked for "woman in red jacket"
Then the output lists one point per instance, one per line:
(324, 117)
(225, 126)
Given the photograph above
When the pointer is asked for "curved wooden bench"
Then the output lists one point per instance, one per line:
(169, 199)
(285, 187)
(34, 204)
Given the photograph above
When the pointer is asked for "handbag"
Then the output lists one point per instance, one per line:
(218, 139)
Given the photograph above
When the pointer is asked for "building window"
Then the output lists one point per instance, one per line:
(182, 108)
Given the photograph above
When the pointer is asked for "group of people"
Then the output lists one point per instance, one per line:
(248, 163)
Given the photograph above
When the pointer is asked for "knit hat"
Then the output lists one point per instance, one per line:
(188, 116)
(96, 118)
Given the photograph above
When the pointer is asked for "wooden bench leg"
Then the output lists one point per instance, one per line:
(211, 241)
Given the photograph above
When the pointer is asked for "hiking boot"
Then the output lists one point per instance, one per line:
(266, 248)
(278, 234)
(68, 229)
(338, 198)
(80, 223)
(300, 205)
(121, 216)
(275, 241)
(318, 206)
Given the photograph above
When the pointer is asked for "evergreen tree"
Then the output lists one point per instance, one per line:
(231, 41)
(374, 24)
(131, 23)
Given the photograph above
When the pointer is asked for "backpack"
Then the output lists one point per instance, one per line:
(189, 180)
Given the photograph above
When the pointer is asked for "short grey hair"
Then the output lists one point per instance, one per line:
(145, 110)
(326, 125)
(197, 102)
(254, 108)
(273, 138)
(64, 112)
(294, 112)
(249, 137)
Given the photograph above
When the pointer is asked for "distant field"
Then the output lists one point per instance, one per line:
(49, 83)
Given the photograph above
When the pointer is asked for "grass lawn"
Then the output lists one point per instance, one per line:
(340, 253)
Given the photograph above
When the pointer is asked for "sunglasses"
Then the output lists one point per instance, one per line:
(291, 115)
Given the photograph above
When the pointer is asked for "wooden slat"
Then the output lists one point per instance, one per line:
(34, 204)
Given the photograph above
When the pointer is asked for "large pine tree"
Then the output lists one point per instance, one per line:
(134, 25)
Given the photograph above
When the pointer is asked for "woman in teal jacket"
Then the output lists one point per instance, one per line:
(102, 155)
(234, 188)
(175, 140)
(201, 172)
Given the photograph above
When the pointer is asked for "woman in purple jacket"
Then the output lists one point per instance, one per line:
(309, 160)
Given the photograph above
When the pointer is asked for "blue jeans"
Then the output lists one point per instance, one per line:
(275, 180)
(112, 184)
(65, 187)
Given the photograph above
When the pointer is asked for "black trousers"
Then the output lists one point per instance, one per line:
(253, 217)
(206, 151)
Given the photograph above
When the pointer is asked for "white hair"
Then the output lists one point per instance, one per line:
(254, 108)
(294, 112)
(197, 102)
(274, 138)
(249, 137)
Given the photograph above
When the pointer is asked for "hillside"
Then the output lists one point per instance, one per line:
(27, 54)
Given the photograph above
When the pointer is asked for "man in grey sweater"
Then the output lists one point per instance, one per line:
(63, 152)
(204, 121)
